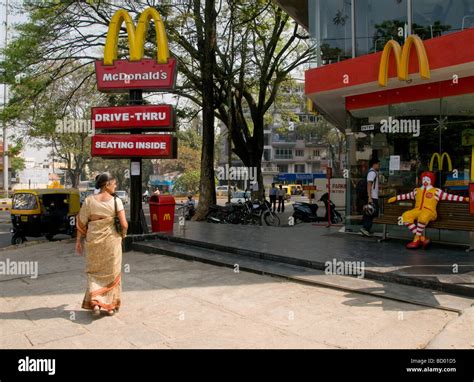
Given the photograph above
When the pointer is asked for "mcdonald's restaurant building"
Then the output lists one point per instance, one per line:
(398, 78)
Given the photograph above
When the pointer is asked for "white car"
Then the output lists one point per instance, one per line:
(240, 196)
(222, 190)
(123, 195)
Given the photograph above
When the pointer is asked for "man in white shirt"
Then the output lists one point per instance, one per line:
(273, 197)
(281, 199)
(373, 197)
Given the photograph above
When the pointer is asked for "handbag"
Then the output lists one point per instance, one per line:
(117, 224)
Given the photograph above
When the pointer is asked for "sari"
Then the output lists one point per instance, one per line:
(103, 247)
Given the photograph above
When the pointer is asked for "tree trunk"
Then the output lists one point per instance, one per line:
(207, 190)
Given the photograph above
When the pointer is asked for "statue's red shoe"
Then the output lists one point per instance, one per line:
(414, 244)
(426, 243)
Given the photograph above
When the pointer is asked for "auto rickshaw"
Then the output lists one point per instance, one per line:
(44, 212)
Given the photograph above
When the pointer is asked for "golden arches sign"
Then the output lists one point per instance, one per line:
(441, 161)
(136, 36)
(402, 59)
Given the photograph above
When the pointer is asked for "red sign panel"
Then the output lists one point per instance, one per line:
(134, 145)
(139, 116)
(145, 74)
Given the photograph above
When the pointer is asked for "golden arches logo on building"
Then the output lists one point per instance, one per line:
(166, 217)
(136, 36)
(441, 161)
(402, 59)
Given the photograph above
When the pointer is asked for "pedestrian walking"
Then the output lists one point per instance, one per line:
(281, 199)
(102, 222)
(371, 209)
(273, 197)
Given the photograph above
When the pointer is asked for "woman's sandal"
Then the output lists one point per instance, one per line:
(96, 311)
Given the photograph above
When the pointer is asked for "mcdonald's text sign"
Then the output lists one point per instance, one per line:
(115, 75)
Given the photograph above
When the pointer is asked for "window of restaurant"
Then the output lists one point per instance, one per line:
(434, 18)
(375, 22)
(437, 126)
(331, 26)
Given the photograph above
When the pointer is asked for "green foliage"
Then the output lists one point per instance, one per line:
(188, 182)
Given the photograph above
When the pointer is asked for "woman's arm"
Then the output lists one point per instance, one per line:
(123, 222)
(81, 228)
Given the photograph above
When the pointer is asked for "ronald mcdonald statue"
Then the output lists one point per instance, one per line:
(426, 199)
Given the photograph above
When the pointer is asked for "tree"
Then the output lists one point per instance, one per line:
(188, 182)
(266, 49)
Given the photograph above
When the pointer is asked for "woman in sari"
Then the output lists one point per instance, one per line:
(103, 245)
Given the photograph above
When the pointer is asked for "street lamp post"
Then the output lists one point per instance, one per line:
(5, 143)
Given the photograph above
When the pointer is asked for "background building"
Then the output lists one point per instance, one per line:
(298, 145)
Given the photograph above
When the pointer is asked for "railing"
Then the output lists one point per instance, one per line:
(269, 169)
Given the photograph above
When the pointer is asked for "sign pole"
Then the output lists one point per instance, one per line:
(136, 98)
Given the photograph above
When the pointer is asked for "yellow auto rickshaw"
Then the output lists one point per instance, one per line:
(44, 212)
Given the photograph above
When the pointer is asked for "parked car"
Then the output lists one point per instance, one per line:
(240, 196)
(123, 195)
(222, 190)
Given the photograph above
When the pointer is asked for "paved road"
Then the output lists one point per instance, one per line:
(5, 225)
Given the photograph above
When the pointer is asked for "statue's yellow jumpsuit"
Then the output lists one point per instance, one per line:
(426, 201)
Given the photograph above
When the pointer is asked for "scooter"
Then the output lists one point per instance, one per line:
(307, 213)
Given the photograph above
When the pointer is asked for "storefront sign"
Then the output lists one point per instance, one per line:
(367, 128)
(394, 164)
(402, 59)
(338, 190)
(441, 161)
(133, 145)
(137, 73)
(140, 116)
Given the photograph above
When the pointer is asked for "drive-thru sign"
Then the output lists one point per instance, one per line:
(135, 75)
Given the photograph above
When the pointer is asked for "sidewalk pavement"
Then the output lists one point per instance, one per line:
(441, 267)
(172, 303)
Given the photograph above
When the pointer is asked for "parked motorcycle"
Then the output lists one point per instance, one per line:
(308, 213)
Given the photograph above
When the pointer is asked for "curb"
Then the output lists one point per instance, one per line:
(398, 279)
(34, 242)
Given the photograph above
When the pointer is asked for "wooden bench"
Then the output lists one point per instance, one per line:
(451, 216)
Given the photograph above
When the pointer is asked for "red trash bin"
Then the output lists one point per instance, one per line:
(162, 213)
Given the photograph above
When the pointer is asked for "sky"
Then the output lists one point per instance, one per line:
(29, 151)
